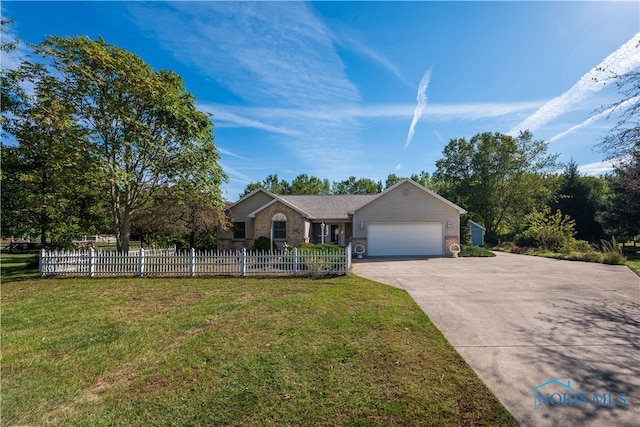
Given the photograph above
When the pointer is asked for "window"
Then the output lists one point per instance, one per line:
(239, 230)
(279, 230)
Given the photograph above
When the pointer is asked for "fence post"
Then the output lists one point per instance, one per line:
(91, 261)
(192, 262)
(295, 262)
(141, 263)
(40, 261)
(243, 262)
(347, 259)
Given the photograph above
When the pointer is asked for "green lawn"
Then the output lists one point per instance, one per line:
(633, 262)
(18, 265)
(240, 352)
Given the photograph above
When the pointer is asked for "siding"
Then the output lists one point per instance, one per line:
(240, 211)
(416, 206)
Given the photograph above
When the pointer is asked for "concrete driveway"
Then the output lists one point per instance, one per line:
(571, 330)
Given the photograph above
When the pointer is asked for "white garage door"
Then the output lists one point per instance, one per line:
(417, 238)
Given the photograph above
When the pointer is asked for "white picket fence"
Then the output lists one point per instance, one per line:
(191, 263)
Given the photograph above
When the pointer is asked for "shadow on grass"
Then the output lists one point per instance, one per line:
(18, 266)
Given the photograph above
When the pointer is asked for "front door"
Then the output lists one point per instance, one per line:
(335, 234)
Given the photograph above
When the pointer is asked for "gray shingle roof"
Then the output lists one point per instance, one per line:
(329, 206)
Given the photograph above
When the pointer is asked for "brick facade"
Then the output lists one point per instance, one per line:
(448, 241)
(295, 230)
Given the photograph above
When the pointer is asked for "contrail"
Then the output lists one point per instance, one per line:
(592, 119)
(624, 59)
(422, 104)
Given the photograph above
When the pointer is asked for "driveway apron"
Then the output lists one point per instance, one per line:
(558, 342)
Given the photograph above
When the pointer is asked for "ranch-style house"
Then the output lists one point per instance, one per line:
(405, 219)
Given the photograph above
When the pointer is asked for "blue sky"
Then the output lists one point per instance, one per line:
(335, 89)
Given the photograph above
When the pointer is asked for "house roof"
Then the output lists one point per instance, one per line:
(313, 206)
(329, 206)
(278, 199)
(409, 181)
(333, 207)
(477, 225)
(257, 190)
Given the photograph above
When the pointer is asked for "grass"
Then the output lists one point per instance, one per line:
(608, 254)
(280, 351)
(18, 265)
(474, 251)
(633, 262)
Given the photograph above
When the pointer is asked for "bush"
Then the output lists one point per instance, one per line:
(553, 232)
(326, 247)
(611, 252)
(613, 258)
(581, 246)
(519, 250)
(262, 243)
(308, 261)
(474, 251)
(589, 256)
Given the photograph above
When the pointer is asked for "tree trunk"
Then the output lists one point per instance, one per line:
(192, 239)
(124, 229)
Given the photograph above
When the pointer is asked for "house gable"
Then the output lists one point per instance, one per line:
(407, 219)
(407, 190)
(281, 201)
(296, 225)
(241, 209)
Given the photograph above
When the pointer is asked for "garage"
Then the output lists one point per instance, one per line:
(406, 238)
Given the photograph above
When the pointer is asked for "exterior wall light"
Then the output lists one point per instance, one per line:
(362, 226)
(448, 224)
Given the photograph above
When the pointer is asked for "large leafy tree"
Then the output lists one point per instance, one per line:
(622, 145)
(621, 214)
(582, 198)
(305, 184)
(353, 185)
(182, 214)
(271, 183)
(141, 125)
(496, 177)
(624, 137)
(44, 179)
(423, 178)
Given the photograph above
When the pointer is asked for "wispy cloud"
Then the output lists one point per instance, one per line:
(235, 175)
(277, 56)
(226, 152)
(596, 168)
(296, 119)
(223, 118)
(422, 104)
(594, 118)
(624, 59)
(440, 137)
(358, 46)
(275, 53)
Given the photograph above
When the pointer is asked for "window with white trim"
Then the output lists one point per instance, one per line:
(279, 225)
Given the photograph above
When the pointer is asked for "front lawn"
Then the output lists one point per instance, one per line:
(276, 351)
(18, 265)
